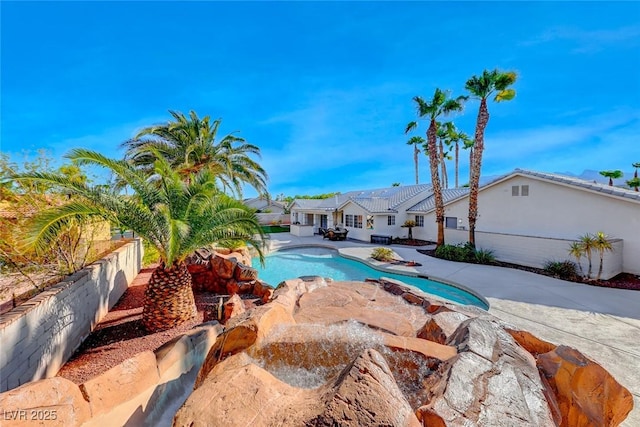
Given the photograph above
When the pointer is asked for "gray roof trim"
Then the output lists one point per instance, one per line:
(448, 195)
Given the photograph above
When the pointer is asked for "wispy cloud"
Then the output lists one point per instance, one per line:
(599, 141)
(588, 41)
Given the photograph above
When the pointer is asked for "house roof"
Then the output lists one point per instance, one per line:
(603, 189)
(385, 200)
(379, 200)
(261, 203)
(429, 203)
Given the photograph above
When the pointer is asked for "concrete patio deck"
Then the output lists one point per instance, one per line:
(602, 323)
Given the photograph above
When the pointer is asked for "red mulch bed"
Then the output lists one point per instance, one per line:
(120, 335)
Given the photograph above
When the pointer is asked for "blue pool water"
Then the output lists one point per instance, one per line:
(314, 261)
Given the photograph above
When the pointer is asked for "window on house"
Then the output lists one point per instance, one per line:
(391, 220)
(370, 222)
(451, 222)
(515, 190)
(419, 220)
(357, 221)
(524, 190)
(348, 220)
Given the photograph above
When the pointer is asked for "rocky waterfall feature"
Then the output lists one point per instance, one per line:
(325, 353)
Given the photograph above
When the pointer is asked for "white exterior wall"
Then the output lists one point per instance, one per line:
(357, 233)
(537, 251)
(551, 210)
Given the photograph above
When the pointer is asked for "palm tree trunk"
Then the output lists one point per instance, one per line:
(168, 299)
(415, 160)
(476, 164)
(435, 181)
(456, 166)
(443, 166)
(601, 253)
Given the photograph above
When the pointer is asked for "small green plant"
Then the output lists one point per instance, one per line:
(151, 255)
(565, 270)
(465, 252)
(485, 256)
(382, 254)
(586, 245)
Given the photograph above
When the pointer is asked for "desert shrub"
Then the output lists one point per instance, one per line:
(151, 255)
(485, 256)
(382, 254)
(465, 252)
(565, 270)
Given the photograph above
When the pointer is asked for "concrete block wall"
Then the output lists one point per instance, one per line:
(536, 251)
(39, 336)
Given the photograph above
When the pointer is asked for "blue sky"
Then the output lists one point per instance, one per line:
(325, 88)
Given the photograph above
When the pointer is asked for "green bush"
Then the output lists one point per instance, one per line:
(465, 253)
(460, 252)
(382, 254)
(565, 270)
(151, 255)
(485, 256)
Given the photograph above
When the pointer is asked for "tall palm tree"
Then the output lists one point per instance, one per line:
(189, 143)
(415, 141)
(636, 166)
(439, 105)
(482, 87)
(443, 139)
(177, 217)
(466, 143)
(612, 175)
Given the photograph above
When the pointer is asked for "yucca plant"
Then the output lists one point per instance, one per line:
(602, 245)
(176, 216)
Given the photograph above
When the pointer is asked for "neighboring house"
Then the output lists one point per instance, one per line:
(262, 205)
(530, 218)
(268, 211)
(364, 212)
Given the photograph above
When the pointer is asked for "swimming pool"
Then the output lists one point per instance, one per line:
(316, 261)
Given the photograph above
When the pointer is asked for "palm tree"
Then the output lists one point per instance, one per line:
(439, 105)
(189, 144)
(482, 87)
(177, 217)
(415, 141)
(454, 137)
(634, 182)
(602, 245)
(612, 175)
(588, 243)
(444, 138)
(636, 166)
(576, 250)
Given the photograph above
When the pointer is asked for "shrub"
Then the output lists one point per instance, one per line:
(382, 254)
(465, 253)
(460, 252)
(565, 270)
(485, 256)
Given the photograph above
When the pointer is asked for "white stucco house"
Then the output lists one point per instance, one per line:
(364, 213)
(530, 218)
(524, 217)
(262, 205)
(268, 211)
